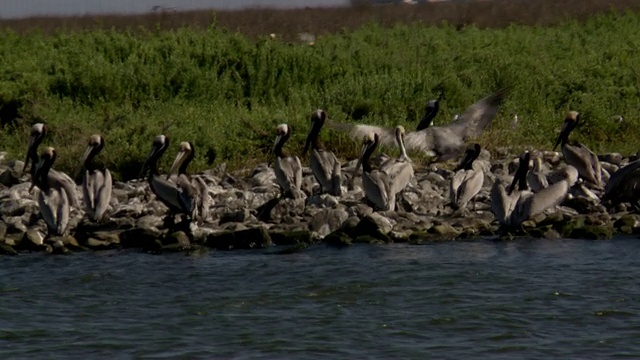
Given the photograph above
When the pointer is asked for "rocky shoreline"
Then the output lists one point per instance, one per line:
(247, 212)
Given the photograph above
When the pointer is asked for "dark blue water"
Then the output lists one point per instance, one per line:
(463, 300)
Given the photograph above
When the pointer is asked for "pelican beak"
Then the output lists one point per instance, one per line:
(36, 174)
(32, 140)
(83, 161)
(364, 149)
(176, 163)
(86, 154)
(314, 131)
(275, 144)
(564, 133)
(146, 162)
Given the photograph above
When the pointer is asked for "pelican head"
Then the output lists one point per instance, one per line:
(283, 132)
(317, 121)
(159, 146)
(570, 123)
(185, 152)
(47, 158)
(95, 145)
(38, 132)
(520, 177)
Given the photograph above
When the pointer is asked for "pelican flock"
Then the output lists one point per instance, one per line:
(532, 189)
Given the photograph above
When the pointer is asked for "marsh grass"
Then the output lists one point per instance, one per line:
(226, 91)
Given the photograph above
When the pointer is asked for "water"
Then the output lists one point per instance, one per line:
(12, 9)
(461, 300)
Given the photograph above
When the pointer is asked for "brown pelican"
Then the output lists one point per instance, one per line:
(287, 168)
(376, 183)
(623, 186)
(53, 199)
(324, 164)
(399, 170)
(96, 185)
(577, 155)
(165, 190)
(38, 132)
(193, 192)
(445, 142)
(511, 208)
(467, 181)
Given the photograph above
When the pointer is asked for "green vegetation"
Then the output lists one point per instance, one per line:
(226, 93)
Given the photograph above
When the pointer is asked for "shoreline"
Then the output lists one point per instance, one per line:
(246, 213)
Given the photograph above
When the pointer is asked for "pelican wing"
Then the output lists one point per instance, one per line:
(62, 211)
(376, 189)
(204, 199)
(624, 184)
(445, 142)
(358, 131)
(502, 204)
(544, 199)
(537, 181)
(323, 165)
(478, 116)
(288, 172)
(188, 194)
(399, 174)
(167, 192)
(103, 194)
(54, 209)
(585, 161)
(336, 179)
(88, 192)
(59, 179)
(470, 187)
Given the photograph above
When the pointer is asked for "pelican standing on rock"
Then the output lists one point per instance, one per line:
(376, 183)
(53, 199)
(444, 142)
(467, 182)
(578, 155)
(38, 132)
(323, 162)
(511, 208)
(399, 170)
(193, 192)
(97, 182)
(288, 169)
(166, 191)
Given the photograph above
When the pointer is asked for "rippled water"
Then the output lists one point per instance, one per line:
(460, 300)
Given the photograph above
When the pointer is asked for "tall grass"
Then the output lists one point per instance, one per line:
(226, 93)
